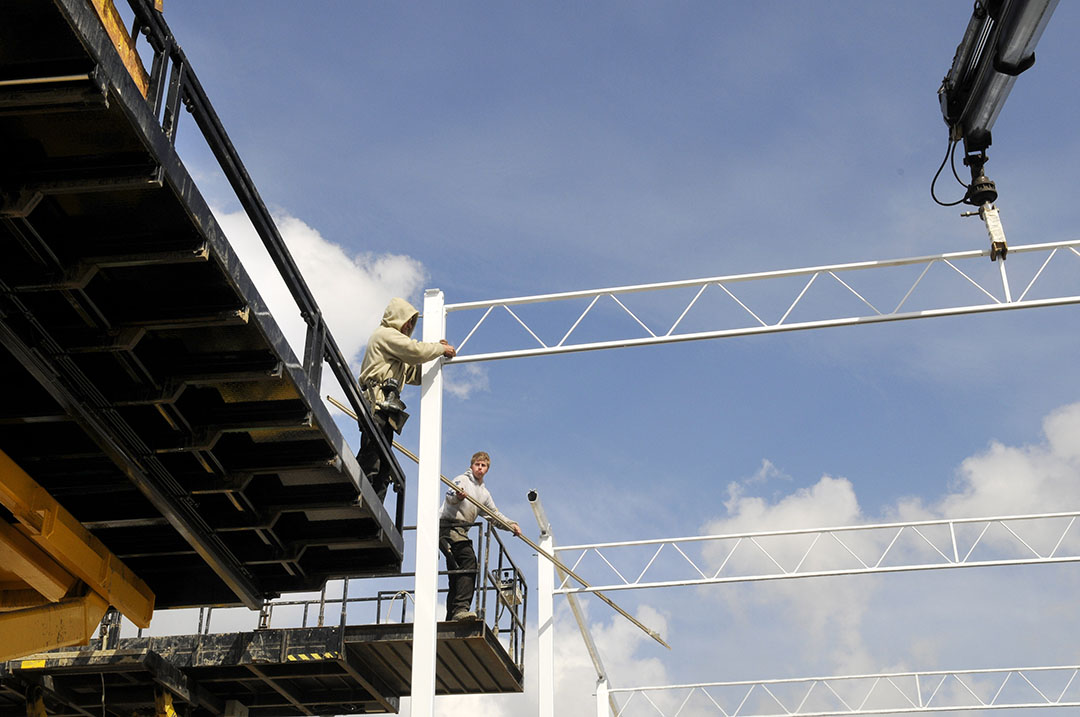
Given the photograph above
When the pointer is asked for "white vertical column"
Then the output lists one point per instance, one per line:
(602, 698)
(545, 615)
(427, 515)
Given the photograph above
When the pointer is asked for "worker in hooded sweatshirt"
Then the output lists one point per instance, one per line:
(392, 359)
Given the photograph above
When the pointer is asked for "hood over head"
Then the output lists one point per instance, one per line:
(397, 314)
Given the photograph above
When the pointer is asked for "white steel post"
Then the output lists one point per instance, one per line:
(602, 698)
(427, 517)
(545, 615)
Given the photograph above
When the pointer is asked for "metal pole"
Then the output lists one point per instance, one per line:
(545, 614)
(427, 516)
(546, 587)
(602, 696)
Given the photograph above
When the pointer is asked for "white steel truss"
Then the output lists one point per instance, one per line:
(866, 292)
(862, 549)
(825, 296)
(886, 693)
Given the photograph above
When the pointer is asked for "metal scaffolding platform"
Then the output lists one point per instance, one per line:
(341, 653)
(310, 671)
(148, 389)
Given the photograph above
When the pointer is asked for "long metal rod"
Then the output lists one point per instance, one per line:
(502, 523)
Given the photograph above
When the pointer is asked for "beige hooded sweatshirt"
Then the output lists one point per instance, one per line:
(392, 354)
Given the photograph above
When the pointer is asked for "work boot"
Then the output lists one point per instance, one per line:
(463, 616)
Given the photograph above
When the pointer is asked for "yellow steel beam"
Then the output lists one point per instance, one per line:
(125, 46)
(163, 706)
(58, 533)
(20, 556)
(17, 599)
(68, 622)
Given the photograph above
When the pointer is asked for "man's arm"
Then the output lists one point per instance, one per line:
(514, 527)
(413, 353)
(456, 496)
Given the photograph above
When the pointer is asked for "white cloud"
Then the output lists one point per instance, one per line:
(835, 622)
(351, 291)
(462, 381)
(1009, 480)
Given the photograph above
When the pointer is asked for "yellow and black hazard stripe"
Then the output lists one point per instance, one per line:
(313, 656)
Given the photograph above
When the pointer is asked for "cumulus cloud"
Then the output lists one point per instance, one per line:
(1012, 480)
(828, 616)
(829, 620)
(462, 381)
(351, 291)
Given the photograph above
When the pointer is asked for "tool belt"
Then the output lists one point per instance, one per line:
(391, 406)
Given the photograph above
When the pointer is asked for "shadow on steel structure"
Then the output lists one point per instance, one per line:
(147, 388)
(345, 654)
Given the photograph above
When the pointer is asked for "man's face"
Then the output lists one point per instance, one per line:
(479, 469)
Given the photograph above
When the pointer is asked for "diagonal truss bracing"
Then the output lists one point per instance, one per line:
(788, 300)
(885, 693)
(876, 548)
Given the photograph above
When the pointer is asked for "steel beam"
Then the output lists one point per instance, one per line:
(68, 622)
(32, 565)
(56, 531)
(427, 515)
(107, 429)
(882, 693)
(865, 549)
(857, 310)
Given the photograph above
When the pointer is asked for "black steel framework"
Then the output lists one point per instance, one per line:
(146, 385)
(330, 663)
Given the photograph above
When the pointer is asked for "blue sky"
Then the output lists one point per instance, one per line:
(505, 149)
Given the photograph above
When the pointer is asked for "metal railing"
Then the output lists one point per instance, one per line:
(501, 600)
(173, 83)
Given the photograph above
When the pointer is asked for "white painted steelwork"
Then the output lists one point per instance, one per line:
(875, 277)
(427, 515)
(815, 552)
(546, 618)
(883, 693)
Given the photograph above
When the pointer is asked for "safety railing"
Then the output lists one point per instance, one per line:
(501, 600)
(172, 85)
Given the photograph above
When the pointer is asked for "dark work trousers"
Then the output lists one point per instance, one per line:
(370, 459)
(459, 556)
